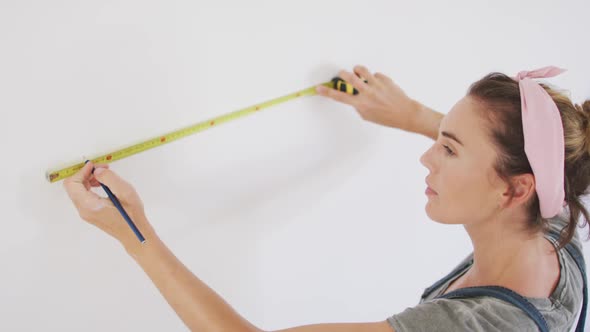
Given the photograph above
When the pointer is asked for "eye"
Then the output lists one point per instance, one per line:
(449, 151)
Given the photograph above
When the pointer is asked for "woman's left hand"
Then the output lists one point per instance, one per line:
(100, 211)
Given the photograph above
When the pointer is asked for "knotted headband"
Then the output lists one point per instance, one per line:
(543, 139)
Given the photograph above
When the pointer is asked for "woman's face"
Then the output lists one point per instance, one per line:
(467, 189)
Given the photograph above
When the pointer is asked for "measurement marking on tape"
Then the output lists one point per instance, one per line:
(60, 174)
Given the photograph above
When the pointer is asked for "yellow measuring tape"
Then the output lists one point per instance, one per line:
(60, 174)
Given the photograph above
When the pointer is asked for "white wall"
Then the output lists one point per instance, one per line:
(301, 214)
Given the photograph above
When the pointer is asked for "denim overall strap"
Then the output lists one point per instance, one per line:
(513, 297)
(449, 276)
(579, 259)
(503, 294)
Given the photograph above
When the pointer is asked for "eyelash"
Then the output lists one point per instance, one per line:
(449, 151)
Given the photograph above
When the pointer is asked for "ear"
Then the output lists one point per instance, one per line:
(524, 189)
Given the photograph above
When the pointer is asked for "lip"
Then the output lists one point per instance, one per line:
(429, 190)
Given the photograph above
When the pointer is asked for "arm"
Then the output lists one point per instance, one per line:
(199, 307)
(380, 100)
(426, 121)
(189, 295)
(343, 327)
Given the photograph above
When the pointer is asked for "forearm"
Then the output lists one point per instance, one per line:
(199, 307)
(426, 122)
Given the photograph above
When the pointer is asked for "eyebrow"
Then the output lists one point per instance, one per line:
(451, 136)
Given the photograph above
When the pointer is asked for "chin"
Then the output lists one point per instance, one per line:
(429, 212)
(436, 217)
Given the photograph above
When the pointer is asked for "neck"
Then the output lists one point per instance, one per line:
(501, 251)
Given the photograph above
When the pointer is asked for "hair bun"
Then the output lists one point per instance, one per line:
(584, 109)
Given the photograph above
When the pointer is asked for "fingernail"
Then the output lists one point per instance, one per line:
(86, 162)
(98, 171)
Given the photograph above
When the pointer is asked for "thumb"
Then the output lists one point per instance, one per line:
(121, 188)
(75, 187)
(83, 174)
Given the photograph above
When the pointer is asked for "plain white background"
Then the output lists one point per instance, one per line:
(303, 213)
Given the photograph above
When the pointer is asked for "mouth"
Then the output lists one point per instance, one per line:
(429, 190)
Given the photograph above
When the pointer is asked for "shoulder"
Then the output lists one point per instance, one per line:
(466, 314)
(567, 296)
(559, 222)
(569, 289)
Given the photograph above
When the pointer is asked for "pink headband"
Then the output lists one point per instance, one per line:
(543, 139)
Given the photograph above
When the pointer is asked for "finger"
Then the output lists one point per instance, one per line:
(94, 183)
(340, 96)
(97, 166)
(84, 173)
(75, 185)
(91, 181)
(382, 77)
(121, 188)
(356, 82)
(364, 73)
(101, 166)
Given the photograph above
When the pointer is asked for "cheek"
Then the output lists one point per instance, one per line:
(471, 197)
(463, 195)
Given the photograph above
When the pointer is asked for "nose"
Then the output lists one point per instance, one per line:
(425, 159)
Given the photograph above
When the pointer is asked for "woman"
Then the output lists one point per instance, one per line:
(481, 176)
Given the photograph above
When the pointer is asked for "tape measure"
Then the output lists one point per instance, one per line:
(60, 174)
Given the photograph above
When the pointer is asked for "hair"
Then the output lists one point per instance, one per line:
(499, 95)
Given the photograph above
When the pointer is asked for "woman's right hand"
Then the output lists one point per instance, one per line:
(101, 212)
(379, 99)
